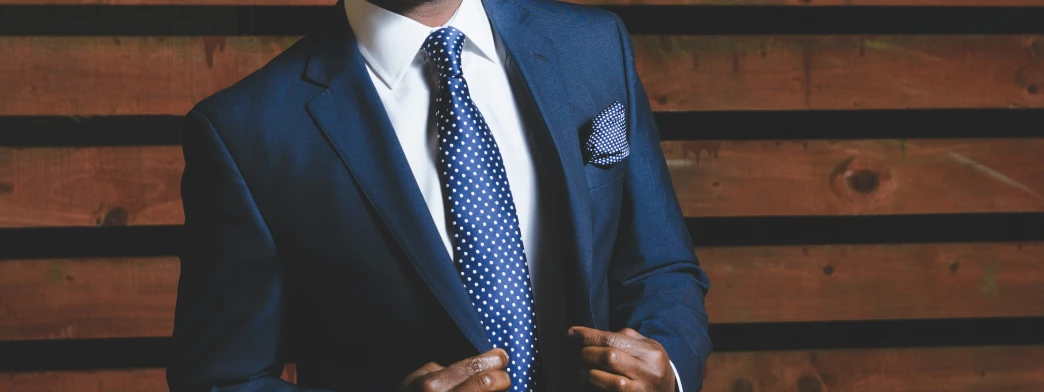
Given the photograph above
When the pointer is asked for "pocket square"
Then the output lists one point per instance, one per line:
(607, 143)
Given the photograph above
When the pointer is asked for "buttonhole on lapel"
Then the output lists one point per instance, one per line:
(538, 55)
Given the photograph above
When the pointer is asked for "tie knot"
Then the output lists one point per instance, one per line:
(443, 47)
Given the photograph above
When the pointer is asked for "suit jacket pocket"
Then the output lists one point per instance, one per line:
(597, 176)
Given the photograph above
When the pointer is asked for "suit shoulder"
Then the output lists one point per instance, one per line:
(576, 19)
(580, 30)
(571, 10)
(278, 82)
(582, 34)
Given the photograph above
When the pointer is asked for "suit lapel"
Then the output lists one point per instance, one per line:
(533, 52)
(350, 114)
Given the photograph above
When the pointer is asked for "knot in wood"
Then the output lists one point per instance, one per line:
(1030, 77)
(117, 216)
(861, 179)
(742, 385)
(809, 384)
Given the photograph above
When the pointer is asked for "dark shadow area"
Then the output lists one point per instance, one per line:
(157, 130)
(88, 354)
(294, 20)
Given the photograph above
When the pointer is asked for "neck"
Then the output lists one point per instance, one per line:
(431, 13)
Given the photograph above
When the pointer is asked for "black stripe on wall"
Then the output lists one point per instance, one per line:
(877, 334)
(851, 124)
(293, 20)
(145, 241)
(871, 229)
(89, 354)
(73, 131)
(64, 131)
(81, 242)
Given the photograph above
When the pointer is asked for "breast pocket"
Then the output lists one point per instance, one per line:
(597, 176)
(605, 189)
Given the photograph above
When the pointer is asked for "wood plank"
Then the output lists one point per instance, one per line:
(993, 3)
(87, 298)
(124, 75)
(109, 298)
(993, 369)
(94, 186)
(122, 380)
(873, 282)
(171, 2)
(841, 72)
(167, 75)
(857, 177)
(87, 186)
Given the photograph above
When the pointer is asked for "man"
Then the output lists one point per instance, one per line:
(437, 195)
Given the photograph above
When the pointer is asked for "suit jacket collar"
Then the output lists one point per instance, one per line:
(352, 118)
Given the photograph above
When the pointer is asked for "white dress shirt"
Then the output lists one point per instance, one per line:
(405, 82)
(391, 45)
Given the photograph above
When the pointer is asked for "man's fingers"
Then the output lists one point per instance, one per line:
(605, 381)
(488, 381)
(428, 368)
(612, 360)
(594, 337)
(632, 333)
(459, 372)
(622, 361)
(647, 349)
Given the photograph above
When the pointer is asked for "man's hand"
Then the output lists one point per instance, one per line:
(624, 361)
(482, 373)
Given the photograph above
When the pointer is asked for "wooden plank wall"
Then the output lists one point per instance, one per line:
(869, 207)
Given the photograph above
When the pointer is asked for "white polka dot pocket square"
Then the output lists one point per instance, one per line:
(606, 144)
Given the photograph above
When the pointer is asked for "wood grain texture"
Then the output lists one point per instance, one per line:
(994, 3)
(122, 380)
(981, 369)
(841, 72)
(873, 282)
(88, 186)
(857, 177)
(152, 75)
(976, 369)
(109, 298)
(96, 186)
(87, 298)
(124, 75)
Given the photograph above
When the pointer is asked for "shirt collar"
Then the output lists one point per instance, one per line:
(390, 42)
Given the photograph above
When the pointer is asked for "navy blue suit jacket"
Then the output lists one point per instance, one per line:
(303, 220)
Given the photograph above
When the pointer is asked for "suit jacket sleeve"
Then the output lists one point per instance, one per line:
(656, 284)
(228, 322)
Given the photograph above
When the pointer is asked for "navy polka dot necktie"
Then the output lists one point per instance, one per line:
(486, 237)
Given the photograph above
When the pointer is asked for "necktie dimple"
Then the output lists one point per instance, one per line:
(483, 222)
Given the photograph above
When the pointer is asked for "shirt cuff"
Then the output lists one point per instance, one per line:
(677, 378)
